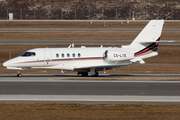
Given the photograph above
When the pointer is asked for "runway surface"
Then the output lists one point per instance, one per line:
(56, 88)
(78, 30)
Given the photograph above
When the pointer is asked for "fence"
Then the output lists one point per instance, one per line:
(94, 14)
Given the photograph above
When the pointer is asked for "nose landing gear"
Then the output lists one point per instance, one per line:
(19, 73)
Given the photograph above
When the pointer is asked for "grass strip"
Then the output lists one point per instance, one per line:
(93, 112)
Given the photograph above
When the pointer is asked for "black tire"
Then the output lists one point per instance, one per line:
(84, 74)
(19, 75)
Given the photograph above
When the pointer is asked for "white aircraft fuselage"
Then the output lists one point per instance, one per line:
(70, 58)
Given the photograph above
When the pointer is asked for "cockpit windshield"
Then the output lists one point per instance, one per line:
(26, 54)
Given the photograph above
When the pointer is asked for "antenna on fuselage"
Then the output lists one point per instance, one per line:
(71, 45)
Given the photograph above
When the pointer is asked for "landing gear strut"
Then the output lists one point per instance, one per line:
(93, 72)
(19, 73)
(96, 74)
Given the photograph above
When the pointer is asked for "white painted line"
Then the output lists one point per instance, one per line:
(92, 98)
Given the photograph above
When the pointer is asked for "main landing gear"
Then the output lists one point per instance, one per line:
(19, 73)
(85, 74)
(96, 74)
(93, 72)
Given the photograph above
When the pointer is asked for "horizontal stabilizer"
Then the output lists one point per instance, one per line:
(138, 60)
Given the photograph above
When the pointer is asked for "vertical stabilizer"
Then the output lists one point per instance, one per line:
(147, 40)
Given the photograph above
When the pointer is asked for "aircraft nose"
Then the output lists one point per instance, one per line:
(6, 64)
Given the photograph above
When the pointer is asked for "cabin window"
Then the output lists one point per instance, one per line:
(62, 55)
(57, 55)
(27, 54)
(73, 55)
(79, 55)
(68, 55)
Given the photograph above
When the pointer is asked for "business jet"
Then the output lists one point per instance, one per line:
(86, 60)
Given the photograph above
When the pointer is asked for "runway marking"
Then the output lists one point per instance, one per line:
(93, 98)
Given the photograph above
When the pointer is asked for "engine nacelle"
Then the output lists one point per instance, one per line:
(116, 55)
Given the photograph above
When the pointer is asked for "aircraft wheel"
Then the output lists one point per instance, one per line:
(84, 74)
(19, 75)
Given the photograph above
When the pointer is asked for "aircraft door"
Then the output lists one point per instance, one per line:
(47, 58)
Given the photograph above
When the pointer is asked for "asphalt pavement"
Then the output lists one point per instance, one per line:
(59, 88)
